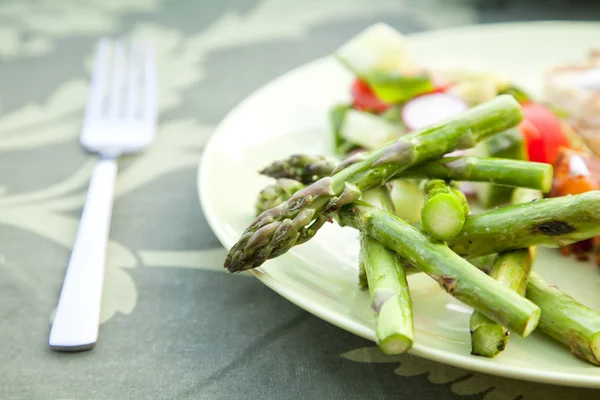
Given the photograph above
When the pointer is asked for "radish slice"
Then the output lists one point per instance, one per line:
(468, 189)
(457, 153)
(430, 108)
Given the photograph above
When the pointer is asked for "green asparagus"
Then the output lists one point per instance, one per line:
(444, 212)
(566, 320)
(386, 280)
(500, 171)
(549, 222)
(302, 168)
(390, 296)
(459, 278)
(277, 230)
(276, 193)
(380, 197)
(508, 145)
(511, 269)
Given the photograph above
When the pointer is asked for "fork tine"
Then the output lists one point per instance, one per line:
(115, 102)
(133, 81)
(149, 110)
(98, 82)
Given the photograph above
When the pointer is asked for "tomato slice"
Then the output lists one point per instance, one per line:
(550, 129)
(364, 98)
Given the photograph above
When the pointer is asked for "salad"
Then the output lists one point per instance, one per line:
(406, 144)
(563, 132)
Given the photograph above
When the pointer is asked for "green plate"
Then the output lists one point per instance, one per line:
(289, 115)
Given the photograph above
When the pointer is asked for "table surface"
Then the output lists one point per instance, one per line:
(174, 325)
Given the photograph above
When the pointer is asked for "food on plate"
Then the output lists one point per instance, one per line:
(577, 171)
(453, 273)
(512, 268)
(292, 223)
(390, 295)
(523, 174)
(565, 319)
(379, 56)
(445, 209)
(575, 88)
(509, 144)
(405, 142)
(276, 193)
(430, 108)
(302, 168)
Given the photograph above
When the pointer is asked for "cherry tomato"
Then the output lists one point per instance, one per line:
(534, 141)
(365, 100)
(549, 127)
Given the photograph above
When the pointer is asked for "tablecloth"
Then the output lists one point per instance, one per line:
(174, 324)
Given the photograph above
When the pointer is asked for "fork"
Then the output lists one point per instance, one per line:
(120, 117)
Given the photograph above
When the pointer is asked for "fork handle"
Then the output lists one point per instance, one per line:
(77, 318)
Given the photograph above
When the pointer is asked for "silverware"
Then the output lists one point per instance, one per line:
(120, 117)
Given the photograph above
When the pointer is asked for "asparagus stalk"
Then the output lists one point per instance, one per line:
(277, 230)
(549, 222)
(444, 212)
(459, 278)
(566, 320)
(388, 288)
(512, 270)
(390, 297)
(500, 171)
(379, 197)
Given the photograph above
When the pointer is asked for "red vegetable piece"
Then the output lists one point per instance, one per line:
(364, 98)
(534, 140)
(549, 127)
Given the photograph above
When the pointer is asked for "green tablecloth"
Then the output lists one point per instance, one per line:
(174, 325)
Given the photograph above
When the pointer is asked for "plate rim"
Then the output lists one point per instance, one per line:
(445, 357)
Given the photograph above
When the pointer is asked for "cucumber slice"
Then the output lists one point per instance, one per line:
(380, 56)
(475, 92)
(368, 130)
(378, 48)
(507, 144)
